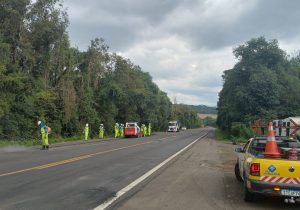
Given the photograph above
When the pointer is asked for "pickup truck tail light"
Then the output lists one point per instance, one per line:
(255, 169)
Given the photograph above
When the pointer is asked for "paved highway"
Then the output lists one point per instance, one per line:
(81, 175)
(84, 175)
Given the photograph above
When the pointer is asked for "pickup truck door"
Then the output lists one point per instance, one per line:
(242, 158)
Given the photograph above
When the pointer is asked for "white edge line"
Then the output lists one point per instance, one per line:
(143, 177)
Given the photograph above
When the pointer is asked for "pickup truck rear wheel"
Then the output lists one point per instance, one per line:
(248, 196)
(237, 173)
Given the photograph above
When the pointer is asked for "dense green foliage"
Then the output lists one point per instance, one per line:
(263, 84)
(43, 78)
(209, 121)
(202, 109)
(186, 116)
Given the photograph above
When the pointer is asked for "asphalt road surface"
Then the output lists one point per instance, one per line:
(84, 175)
(81, 175)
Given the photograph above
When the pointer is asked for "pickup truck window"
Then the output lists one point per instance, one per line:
(172, 124)
(257, 148)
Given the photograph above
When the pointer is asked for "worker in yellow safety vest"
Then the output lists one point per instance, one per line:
(116, 130)
(145, 130)
(44, 132)
(121, 129)
(149, 129)
(101, 131)
(86, 132)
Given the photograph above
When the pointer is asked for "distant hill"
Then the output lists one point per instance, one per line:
(202, 109)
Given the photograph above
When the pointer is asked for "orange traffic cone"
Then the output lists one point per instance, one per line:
(271, 149)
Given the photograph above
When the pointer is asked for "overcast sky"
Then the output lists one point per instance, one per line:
(185, 45)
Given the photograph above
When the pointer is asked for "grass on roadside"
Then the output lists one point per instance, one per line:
(222, 135)
(5, 143)
(227, 137)
(34, 142)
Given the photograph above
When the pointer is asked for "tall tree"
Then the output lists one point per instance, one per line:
(258, 86)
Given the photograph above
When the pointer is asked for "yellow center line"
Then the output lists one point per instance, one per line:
(49, 165)
(166, 137)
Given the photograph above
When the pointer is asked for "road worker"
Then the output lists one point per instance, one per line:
(44, 132)
(86, 132)
(116, 130)
(149, 129)
(145, 130)
(121, 130)
(101, 131)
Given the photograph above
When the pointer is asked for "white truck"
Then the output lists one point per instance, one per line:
(173, 126)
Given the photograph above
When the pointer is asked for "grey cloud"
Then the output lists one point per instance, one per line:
(270, 18)
(197, 92)
(118, 38)
(275, 19)
(154, 11)
(124, 31)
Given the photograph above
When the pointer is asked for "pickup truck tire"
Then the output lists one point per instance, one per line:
(237, 173)
(248, 196)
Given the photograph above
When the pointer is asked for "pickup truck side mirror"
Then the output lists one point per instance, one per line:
(239, 150)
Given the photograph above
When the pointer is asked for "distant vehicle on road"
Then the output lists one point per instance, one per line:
(183, 128)
(173, 126)
(132, 129)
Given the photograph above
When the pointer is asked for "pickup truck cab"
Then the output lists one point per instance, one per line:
(275, 177)
(132, 130)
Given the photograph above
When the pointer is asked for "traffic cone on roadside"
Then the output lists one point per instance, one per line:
(271, 148)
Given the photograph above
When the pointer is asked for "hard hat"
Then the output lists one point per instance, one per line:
(86, 125)
(101, 124)
(39, 122)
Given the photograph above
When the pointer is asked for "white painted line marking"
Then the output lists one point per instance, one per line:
(143, 177)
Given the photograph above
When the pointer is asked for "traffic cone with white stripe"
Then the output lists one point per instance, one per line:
(271, 148)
